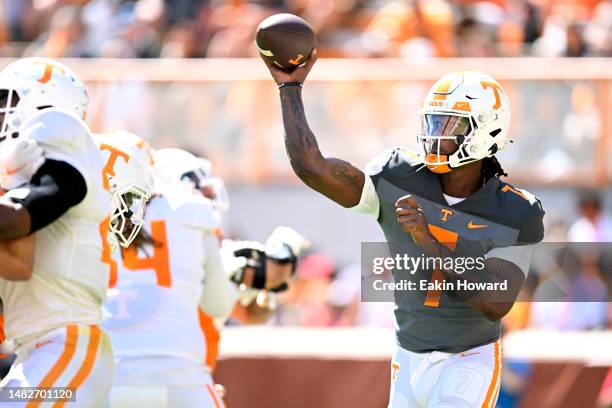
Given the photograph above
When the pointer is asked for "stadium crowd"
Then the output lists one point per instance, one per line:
(347, 28)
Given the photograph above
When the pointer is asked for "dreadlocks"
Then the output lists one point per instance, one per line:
(491, 168)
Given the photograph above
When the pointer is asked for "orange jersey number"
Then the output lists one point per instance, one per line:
(449, 240)
(107, 253)
(158, 261)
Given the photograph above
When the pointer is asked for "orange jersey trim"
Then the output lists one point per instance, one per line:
(211, 337)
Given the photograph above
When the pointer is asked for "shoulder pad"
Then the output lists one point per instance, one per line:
(521, 194)
(529, 196)
(61, 135)
(376, 165)
(55, 128)
(532, 229)
(408, 155)
(404, 155)
(397, 155)
(194, 211)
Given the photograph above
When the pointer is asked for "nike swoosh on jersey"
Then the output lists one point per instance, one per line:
(464, 354)
(471, 225)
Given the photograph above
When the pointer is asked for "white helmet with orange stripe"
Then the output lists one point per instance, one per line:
(31, 84)
(469, 108)
(129, 179)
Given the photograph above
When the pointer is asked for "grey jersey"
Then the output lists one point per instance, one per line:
(496, 217)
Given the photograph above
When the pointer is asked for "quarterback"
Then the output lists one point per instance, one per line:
(50, 215)
(444, 201)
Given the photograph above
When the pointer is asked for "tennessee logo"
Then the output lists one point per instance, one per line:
(394, 370)
(496, 89)
(297, 60)
(46, 76)
(471, 225)
(445, 214)
(109, 168)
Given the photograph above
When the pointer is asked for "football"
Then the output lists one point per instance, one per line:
(285, 40)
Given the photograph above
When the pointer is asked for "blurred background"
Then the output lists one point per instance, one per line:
(345, 28)
(184, 73)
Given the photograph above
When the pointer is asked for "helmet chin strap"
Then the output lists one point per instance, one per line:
(432, 158)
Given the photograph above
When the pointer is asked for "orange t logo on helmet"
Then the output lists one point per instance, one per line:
(109, 166)
(496, 89)
(48, 71)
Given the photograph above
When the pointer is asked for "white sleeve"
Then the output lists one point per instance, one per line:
(369, 203)
(519, 255)
(219, 294)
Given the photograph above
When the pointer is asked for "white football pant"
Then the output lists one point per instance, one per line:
(443, 380)
(77, 357)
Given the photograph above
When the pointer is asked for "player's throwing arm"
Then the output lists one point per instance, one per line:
(334, 178)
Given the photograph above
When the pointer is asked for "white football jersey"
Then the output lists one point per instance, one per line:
(69, 279)
(154, 304)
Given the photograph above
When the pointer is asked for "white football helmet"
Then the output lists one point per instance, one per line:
(470, 108)
(196, 172)
(129, 179)
(31, 84)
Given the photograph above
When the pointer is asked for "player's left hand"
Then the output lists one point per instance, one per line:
(412, 219)
(19, 161)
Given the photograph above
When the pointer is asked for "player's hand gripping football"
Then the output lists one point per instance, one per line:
(297, 75)
(412, 218)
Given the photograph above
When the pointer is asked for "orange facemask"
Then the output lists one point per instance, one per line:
(431, 159)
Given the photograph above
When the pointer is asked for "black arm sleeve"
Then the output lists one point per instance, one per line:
(53, 190)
